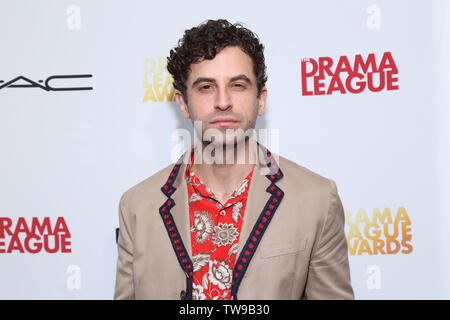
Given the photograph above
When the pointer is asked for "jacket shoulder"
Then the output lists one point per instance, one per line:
(148, 189)
(304, 178)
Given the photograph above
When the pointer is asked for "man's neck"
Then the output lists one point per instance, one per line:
(223, 177)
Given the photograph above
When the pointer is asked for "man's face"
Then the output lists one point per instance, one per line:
(222, 93)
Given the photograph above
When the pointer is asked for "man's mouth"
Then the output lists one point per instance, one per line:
(224, 122)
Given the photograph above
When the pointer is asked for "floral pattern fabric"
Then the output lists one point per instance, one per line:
(215, 230)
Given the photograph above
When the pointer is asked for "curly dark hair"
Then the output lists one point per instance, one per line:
(207, 40)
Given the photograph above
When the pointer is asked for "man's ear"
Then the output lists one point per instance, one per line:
(179, 98)
(262, 101)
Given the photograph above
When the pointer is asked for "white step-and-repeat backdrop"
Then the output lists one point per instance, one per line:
(358, 91)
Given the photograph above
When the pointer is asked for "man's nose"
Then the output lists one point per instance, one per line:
(223, 99)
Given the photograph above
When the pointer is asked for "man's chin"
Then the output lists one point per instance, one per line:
(226, 139)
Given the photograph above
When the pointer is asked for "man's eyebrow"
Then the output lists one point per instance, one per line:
(242, 77)
(202, 79)
(212, 80)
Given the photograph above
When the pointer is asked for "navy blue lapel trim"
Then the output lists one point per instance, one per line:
(253, 240)
(261, 224)
(174, 236)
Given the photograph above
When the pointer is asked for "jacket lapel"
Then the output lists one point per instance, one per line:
(175, 215)
(180, 211)
(256, 199)
(263, 201)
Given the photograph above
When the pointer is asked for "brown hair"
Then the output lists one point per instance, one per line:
(207, 40)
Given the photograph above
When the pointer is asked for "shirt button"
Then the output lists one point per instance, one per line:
(182, 295)
(222, 213)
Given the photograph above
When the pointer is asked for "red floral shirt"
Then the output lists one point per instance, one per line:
(215, 230)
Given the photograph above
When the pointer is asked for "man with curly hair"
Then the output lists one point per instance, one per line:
(230, 219)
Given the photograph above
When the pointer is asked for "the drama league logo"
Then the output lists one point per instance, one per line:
(379, 233)
(325, 76)
(35, 236)
(157, 81)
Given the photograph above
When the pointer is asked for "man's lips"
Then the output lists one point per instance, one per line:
(224, 122)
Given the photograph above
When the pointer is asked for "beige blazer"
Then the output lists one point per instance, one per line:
(300, 251)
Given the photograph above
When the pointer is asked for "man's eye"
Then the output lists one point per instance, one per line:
(238, 85)
(205, 87)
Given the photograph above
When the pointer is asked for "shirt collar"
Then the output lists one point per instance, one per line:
(200, 188)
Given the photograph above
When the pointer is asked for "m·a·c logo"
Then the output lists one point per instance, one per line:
(49, 84)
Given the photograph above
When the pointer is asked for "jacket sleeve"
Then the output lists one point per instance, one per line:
(329, 271)
(124, 288)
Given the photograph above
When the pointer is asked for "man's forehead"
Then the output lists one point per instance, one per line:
(228, 63)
